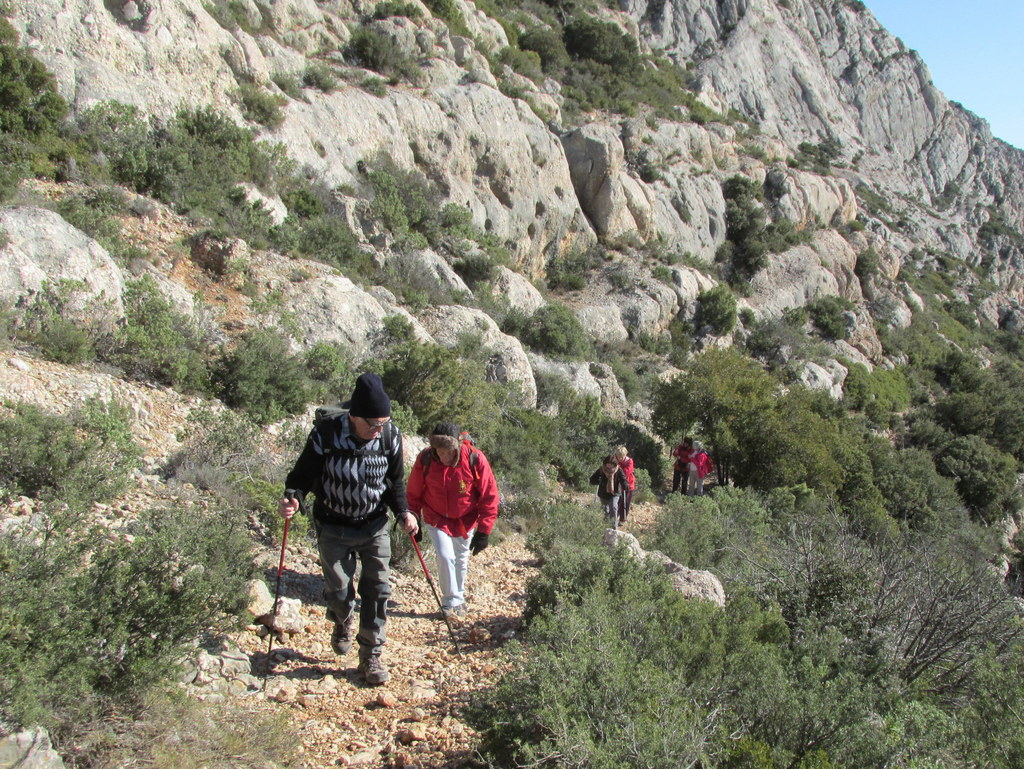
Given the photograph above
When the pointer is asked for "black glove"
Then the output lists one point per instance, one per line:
(479, 542)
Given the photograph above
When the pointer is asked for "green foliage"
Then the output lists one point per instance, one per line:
(878, 394)
(827, 315)
(615, 662)
(93, 617)
(717, 309)
(31, 113)
(914, 491)
(984, 475)
(548, 45)
(155, 342)
(570, 272)
(261, 376)
(552, 330)
(996, 228)
(261, 106)
(79, 458)
(449, 11)
(320, 77)
(406, 203)
(390, 8)
(53, 322)
(819, 157)
(867, 264)
(436, 384)
(378, 51)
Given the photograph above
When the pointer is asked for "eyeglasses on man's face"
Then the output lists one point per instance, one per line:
(375, 424)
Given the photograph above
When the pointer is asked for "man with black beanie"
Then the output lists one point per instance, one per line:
(353, 463)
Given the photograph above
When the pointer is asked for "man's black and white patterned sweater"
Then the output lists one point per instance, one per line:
(355, 481)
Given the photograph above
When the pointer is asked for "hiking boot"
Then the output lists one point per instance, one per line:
(341, 638)
(374, 671)
(455, 611)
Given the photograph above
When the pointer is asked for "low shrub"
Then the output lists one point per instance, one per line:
(717, 309)
(261, 106)
(93, 617)
(379, 52)
(79, 458)
(157, 343)
(261, 376)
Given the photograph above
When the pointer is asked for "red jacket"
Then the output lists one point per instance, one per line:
(454, 499)
(629, 468)
(704, 464)
(683, 457)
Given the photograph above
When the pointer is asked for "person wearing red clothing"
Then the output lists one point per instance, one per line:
(453, 488)
(683, 453)
(629, 468)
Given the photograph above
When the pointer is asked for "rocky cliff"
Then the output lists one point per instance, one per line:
(918, 175)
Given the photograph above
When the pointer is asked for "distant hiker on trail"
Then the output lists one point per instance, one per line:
(353, 462)
(452, 486)
(700, 466)
(683, 452)
(610, 482)
(629, 469)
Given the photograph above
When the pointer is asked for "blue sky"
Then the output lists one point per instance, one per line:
(974, 50)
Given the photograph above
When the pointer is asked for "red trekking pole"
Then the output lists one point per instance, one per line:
(437, 598)
(289, 494)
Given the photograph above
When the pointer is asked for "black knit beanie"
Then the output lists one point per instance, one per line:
(369, 399)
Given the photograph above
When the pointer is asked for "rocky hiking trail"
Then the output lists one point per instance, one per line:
(417, 718)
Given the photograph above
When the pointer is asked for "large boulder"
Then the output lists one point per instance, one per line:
(595, 380)
(30, 749)
(41, 248)
(508, 362)
(519, 292)
(615, 203)
(690, 583)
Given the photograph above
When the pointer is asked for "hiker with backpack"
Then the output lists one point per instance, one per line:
(629, 470)
(610, 481)
(700, 466)
(452, 486)
(683, 453)
(352, 461)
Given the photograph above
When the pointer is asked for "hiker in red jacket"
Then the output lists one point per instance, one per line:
(683, 452)
(453, 488)
(700, 466)
(629, 469)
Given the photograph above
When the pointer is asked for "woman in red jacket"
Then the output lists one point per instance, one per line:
(629, 469)
(453, 488)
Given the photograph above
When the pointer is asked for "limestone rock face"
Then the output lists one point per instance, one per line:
(508, 362)
(520, 293)
(823, 267)
(331, 308)
(614, 202)
(494, 155)
(42, 248)
(594, 380)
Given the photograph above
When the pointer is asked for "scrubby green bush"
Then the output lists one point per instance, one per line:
(717, 310)
(83, 457)
(94, 617)
(552, 330)
(263, 377)
(261, 106)
(879, 394)
(827, 315)
(63, 324)
(377, 51)
(157, 343)
(31, 114)
(320, 77)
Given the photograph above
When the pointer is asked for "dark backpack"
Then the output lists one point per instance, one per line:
(326, 422)
(474, 457)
